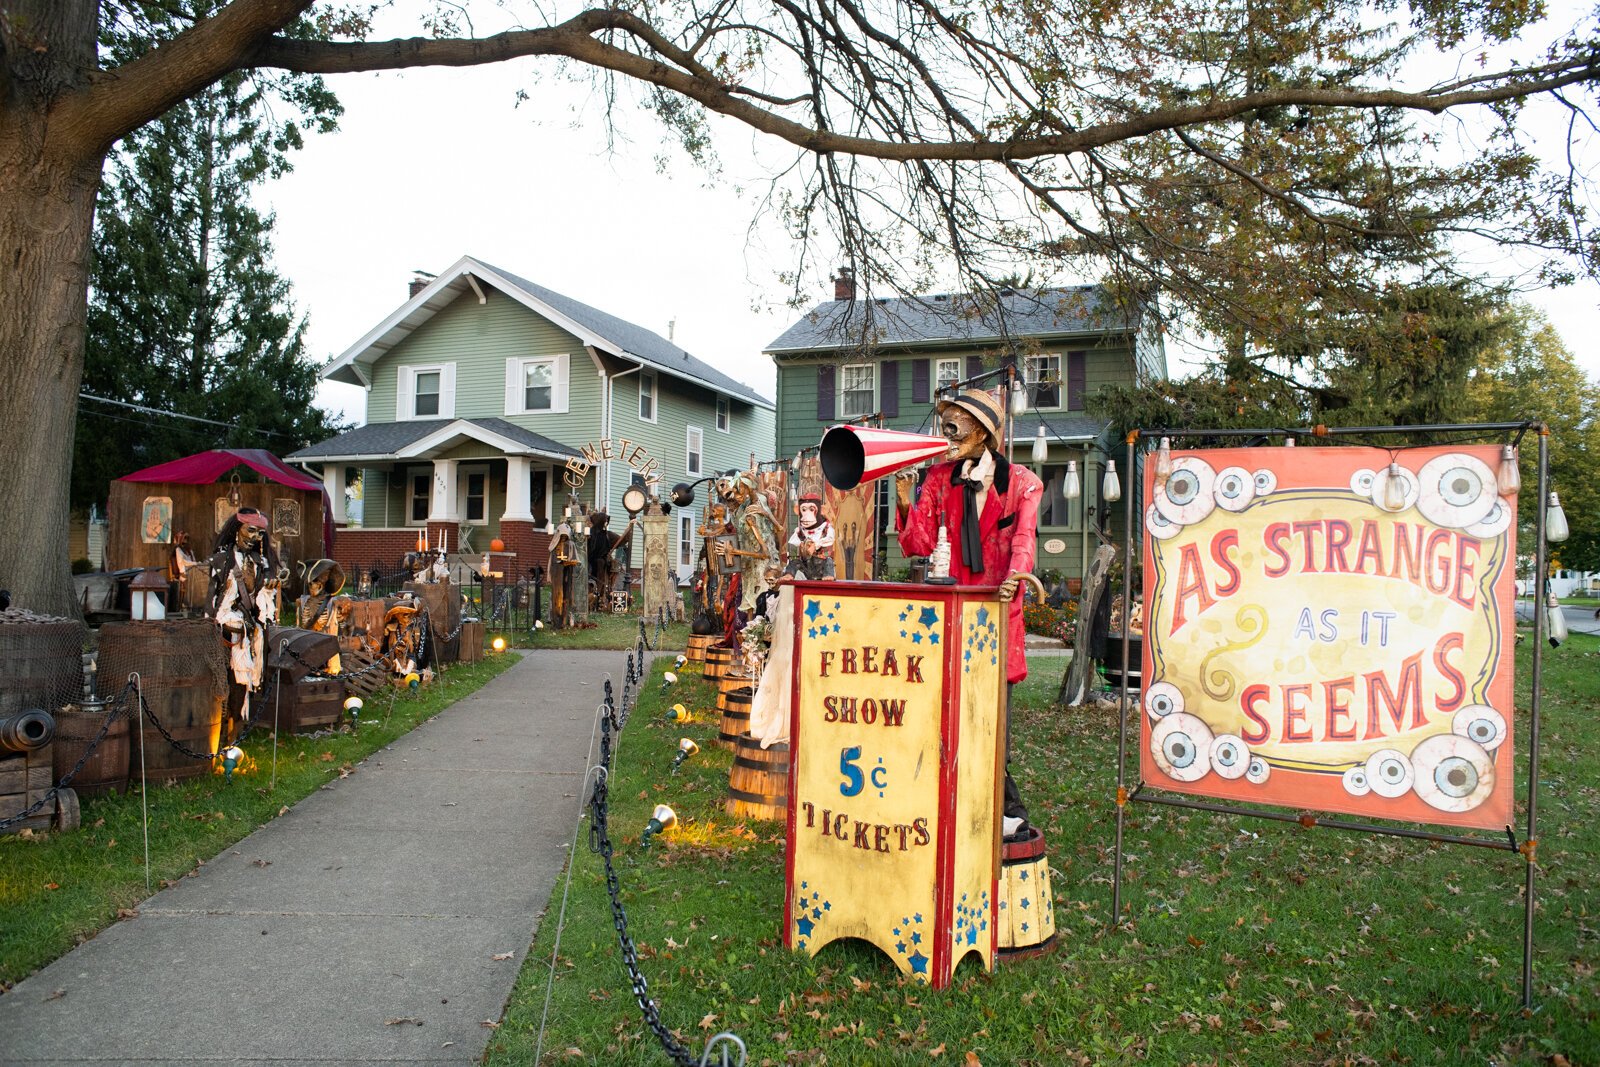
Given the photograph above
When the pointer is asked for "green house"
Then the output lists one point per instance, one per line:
(493, 402)
(887, 360)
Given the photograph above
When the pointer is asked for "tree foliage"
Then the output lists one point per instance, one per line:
(1263, 167)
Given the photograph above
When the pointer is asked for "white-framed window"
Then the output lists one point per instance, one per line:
(536, 385)
(1043, 377)
(647, 395)
(724, 414)
(685, 541)
(946, 373)
(419, 496)
(426, 391)
(858, 388)
(472, 486)
(696, 447)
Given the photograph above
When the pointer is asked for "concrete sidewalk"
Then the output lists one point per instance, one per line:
(361, 927)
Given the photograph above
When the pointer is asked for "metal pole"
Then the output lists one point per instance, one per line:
(1530, 845)
(1122, 699)
(144, 783)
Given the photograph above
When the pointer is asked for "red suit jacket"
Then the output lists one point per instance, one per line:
(1008, 526)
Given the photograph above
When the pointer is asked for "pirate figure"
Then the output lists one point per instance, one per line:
(322, 608)
(245, 579)
(989, 509)
(811, 544)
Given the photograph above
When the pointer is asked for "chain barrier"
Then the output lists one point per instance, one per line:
(118, 710)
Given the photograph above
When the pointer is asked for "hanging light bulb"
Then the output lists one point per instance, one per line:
(1556, 621)
(686, 748)
(1019, 396)
(664, 818)
(1041, 446)
(233, 754)
(1509, 476)
(1164, 460)
(668, 680)
(1394, 489)
(1111, 485)
(1555, 520)
(1071, 487)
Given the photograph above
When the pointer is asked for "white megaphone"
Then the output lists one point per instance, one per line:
(854, 454)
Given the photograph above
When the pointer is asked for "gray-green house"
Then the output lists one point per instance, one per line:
(483, 387)
(888, 359)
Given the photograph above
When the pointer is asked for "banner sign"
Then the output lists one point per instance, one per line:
(1332, 629)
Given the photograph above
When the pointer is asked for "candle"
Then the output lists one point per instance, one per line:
(425, 545)
(444, 542)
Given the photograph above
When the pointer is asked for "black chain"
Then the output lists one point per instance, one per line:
(118, 710)
(600, 841)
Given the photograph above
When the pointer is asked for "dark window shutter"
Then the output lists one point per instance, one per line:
(825, 407)
(919, 381)
(889, 388)
(1077, 378)
(974, 366)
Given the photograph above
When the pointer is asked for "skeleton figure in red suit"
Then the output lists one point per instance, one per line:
(989, 509)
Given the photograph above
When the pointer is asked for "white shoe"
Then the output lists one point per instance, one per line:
(1010, 824)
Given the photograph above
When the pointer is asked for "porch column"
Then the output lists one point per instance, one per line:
(333, 485)
(443, 507)
(519, 476)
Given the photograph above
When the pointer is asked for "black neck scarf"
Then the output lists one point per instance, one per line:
(971, 535)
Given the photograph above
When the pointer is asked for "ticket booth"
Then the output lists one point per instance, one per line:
(896, 771)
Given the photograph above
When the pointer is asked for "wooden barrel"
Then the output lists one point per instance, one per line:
(696, 650)
(758, 783)
(726, 685)
(1025, 919)
(718, 659)
(41, 662)
(182, 664)
(735, 718)
(1113, 663)
(78, 726)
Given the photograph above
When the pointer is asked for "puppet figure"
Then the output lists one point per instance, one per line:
(989, 509)
(811, 545)
(245, 583)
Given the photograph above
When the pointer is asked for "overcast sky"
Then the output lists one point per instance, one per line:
(433, 164)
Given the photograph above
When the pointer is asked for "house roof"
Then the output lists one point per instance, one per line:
(419, 438)
(590, 325)
(960, 318)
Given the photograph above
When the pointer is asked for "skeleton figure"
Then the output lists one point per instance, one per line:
(245, 583)
(756, 534)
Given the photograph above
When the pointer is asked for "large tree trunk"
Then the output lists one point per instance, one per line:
(47, 195)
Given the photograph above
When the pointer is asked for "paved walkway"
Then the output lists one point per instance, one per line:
(385, 896)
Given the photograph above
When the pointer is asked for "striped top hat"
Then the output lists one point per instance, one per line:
(981, 405)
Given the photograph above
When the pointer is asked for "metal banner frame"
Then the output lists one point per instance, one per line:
(1528, 846)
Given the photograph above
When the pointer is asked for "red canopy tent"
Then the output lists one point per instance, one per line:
(203, 468)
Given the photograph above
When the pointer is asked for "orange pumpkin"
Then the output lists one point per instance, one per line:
(497, 545)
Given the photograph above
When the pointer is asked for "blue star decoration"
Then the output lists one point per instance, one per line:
(903, 619)
(916, 639)
(933, 639)
(813, 609)
(919, 963)
(929, 617)
(835, 625)
(804, 926)
(972, 935)
(983, 616)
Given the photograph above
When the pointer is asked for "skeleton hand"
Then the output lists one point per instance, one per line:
(905, 486)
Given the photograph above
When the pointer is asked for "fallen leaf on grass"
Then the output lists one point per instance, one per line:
(490, 1023)
(402, 1022)
(973, 1061)
(51, 885)
(707, 1022)
(284, 810)
(326, 757)
(127, 913)
(935, 1053)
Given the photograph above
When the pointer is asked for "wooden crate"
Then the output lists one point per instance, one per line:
(25, 779)
(304, 706)
(354, 658)
(472, 636)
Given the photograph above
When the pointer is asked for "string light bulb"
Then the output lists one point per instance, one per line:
(1394, 489)
(1111, 485)
(668, 680)
(1164, 459)
(676, 713)
(1555, 520)
(663, 818)
(233, 754)
(1041, 446)
(686, 748)
(1072, 487)
(1556, 621)
(1509, 476)
(1019, 396)
(680, 661)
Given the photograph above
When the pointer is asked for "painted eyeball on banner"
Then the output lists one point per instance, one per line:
(1162, 699)
(1159, 525)
(1258, 771)
(1497, 522)
(1265, 482)
(1361, 483)
(1389, 773)
(1456, 490)
(1181, 745)
(1230, 757)
(1188, 493)
(1453, 773)
(1355, 782)
(1409, 490)
(1235, 488)
(1480, 723)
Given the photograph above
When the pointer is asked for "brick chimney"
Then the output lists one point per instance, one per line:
(419, 284)
(844, 284)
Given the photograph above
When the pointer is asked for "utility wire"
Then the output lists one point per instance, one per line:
(177, 415)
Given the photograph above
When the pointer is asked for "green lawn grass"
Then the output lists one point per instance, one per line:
(61, 888)
(1243, 940)
(607, 631)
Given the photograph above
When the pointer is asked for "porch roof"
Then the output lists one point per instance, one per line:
(426, 438)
